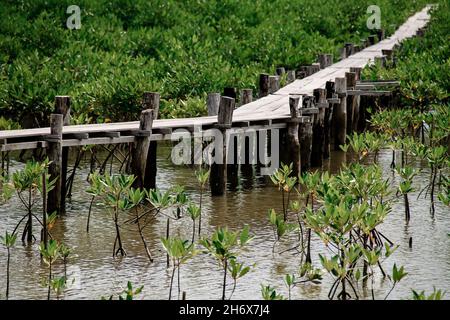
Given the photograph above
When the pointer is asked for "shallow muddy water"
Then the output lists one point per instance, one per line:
(97, 274)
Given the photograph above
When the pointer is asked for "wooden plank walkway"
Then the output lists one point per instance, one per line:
(272, 107)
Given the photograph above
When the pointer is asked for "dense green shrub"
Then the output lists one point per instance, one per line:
(182, 49)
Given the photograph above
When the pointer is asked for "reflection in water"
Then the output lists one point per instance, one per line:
(97, 274)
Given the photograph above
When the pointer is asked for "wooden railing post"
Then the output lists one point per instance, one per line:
(325, 60)
(218, 170)
(151, 102)
(280, 71)
(263, 85)
(341, 113)
(274, 84)
(293, 135)
(246, 96)
(290, 76)
(212, 103)
(54, 153)
(141, 148)
(62, 106)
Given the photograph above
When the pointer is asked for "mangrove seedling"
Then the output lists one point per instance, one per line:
(28, 183)
(397, 275)
(444, 196)
(285, 183)
(49, 254)
(289, 281)
(65, 252)
(9, 240)
(179, 251)
(129, 293)
(223, 245)
(95, 189)
(115, 194)
(280, 226)
(202, 176)
(435, 295)
(237, 270)
(58, 285)
(407, 174)
(135, 197)
(269, 293)
(194, 213)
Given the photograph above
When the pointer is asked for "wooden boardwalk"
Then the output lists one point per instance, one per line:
(272, 107)
(319, 106)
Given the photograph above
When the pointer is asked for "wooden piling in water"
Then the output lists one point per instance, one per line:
(351, 100)
(340, 114)
(62, 106)
(263, 85)
(232, 168)
(328, 121)
(140, 148)
(218, 173)
(305, 138)
(356, 101)
(151, 102)
(293, 135)
(247, 166)
(54, 154)
(318, 144)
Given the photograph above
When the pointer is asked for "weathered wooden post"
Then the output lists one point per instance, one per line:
(329, 87)
(290, 76)
(140, 149)
(325, 60)
(263, 85)
(340, 113)
(274, 84)
(372, 40)
(151, 102)
(305, 137)
(348, 49)
(356, 100)
(247, 167)
(380, 34)
(62, 106)
(318, 144)
(246, 96)
(218, 170)
(232, 168)
(212, 103)
(351, 100)
(381, 61)
(293, 135)
(230, 92)
(280, 71)
(54, 154)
